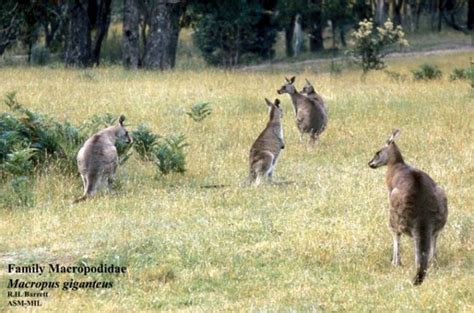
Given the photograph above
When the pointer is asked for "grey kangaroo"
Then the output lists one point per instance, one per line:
(266, 148)
(311, 93)
(419, 207)
(97, 160)
(311, 118)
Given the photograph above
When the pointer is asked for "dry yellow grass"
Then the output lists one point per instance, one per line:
(321, 243)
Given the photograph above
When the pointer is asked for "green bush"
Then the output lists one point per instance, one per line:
(169, 154)
(427, 72)
(144, 141)
(199, 111)
(458, 74)
(229, 32)
(39, 55)
(371, 43)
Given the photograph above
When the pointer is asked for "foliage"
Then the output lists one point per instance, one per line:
(39, 55)
(463, 74)
(30, 140)
(231, 32)
(371, 43)
(169, 154)
(144, 141)
(200, 111)
(427, 72)
(395, 76)
(470, 75)
(17, 193)
(458, 74)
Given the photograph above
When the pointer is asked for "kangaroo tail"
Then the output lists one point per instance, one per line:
(422, 252)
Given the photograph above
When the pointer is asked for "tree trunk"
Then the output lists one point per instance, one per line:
(381, 11)
(333, 33)
(102, 23)
(78, 45)
(470, 15)
(131, 36)
(397, 12)
(289, 39)
(342, 34)
(316, 29)
(413, 15)
(162, 41)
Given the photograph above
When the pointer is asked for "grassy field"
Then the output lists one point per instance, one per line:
(320, 243)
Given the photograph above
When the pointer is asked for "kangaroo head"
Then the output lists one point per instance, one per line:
(288, 87)
(121, 133)
(308, 88)
(382, 156)
(274, 109)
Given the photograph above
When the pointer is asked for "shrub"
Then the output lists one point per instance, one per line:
(370, 44)
(169, 154)
(395, 76)
(230, 32)
(427, 72)
(39, 55)
(470, 75)
(458, 74)
(144, 141)
(199, 111)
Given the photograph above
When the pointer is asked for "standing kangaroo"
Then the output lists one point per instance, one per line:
(310, 116)
(266, 148)
(419, 207)
(97, 160)
(309, 91)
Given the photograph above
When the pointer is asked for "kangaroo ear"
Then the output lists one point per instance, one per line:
(307, 81)
(277, 103)
(287, 80)
(395, 134)
(121, 119)
(269, 103)
(292, 80)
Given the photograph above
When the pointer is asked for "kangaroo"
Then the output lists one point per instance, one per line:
(310, 117)
(309, 91)
(419, 207)
(266, 148)
(97, 160)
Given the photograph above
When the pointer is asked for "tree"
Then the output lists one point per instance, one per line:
(78, 45)
(312, 21)
(162, 40)
(154, 26)
(22, 21)
(131, 35)
(227, 32)
(85, 16)
(470, 15)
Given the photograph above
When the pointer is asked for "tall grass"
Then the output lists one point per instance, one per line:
(320, 243)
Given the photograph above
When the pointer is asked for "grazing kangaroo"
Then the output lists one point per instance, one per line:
(310, 117)
(266, 148)
(309, 91)
(419, 207)
(97, 160)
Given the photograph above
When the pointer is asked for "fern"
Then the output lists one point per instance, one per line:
(144, 141)
(169, 154)
(200, 111)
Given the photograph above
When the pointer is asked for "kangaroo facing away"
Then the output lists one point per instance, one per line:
(311, 93)
(97, 160)
(311, 117)
(266, 148)
(419, 207)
